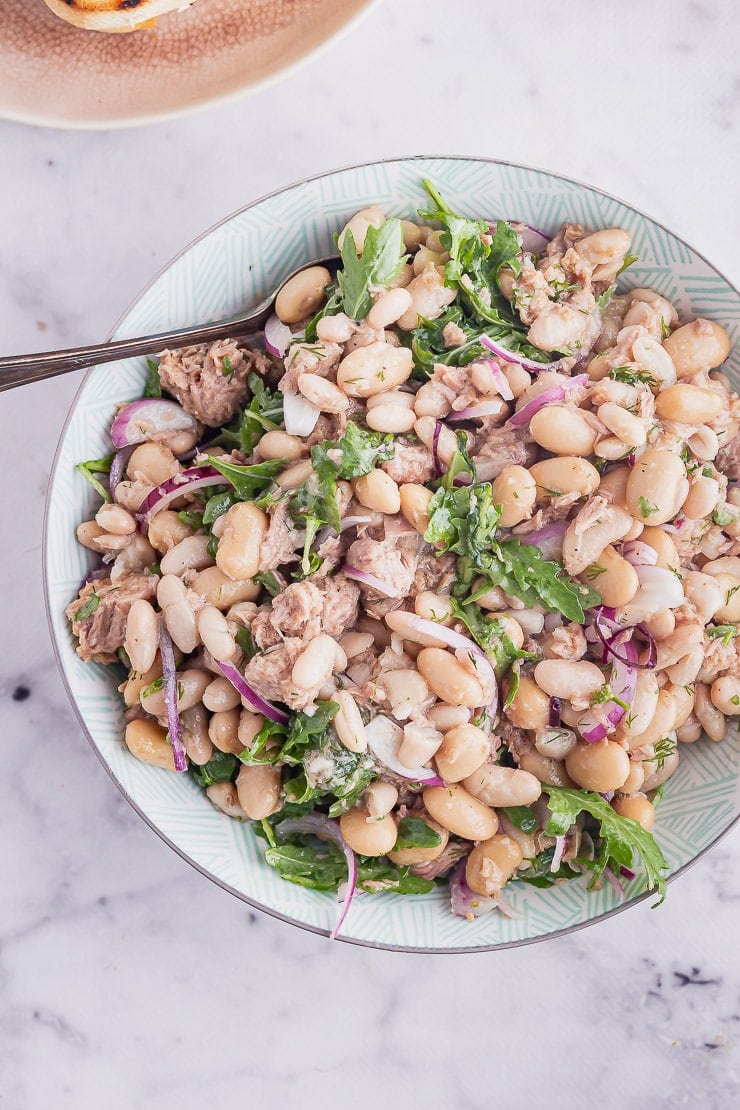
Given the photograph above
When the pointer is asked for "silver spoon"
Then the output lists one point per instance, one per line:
(23, 369)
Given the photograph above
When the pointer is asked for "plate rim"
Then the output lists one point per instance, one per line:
(148, 119)
(276, 914)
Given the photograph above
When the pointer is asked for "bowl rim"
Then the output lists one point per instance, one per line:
(148, 119)
(254, 904)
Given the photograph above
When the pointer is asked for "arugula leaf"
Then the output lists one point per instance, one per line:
(244, 640)
(464, 520)
(355, 454)
(314, 503)
(264, 413)
(621, 836)
(415, 833)
(629, 260)
(332, 305)
(248, 481)
(219, 504)
(489, 632)
(320, 865)
(269, 581)
(521, 816)
(153, 387)
(193, 520)
(522, 572)
(379, 264)
(89, 469)
(539, 873)
(221, 767)
(88, 608)
(461, 236)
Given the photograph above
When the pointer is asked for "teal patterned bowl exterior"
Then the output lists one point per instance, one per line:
(228, 268)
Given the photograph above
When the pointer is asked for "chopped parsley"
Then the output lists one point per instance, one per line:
(87, 610)
(647, 508)
(724, 632)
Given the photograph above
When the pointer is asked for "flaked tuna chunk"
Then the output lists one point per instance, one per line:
(102, 632)
(393, 562)
(411, 462)
(210, 381)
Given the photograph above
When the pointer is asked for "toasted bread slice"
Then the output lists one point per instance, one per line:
(114, 15)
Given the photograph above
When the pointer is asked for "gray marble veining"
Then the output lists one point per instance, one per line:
(126, 979)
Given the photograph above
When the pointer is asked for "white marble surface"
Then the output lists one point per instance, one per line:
(126, 979)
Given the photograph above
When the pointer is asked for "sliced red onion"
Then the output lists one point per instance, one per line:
(549, 539)
(139, 421)
(187, 481)
(522, 417)
(561, 843)
(242, 687)
(463, 901)
(532, 239)
(612, 879)
(118, 467)
(366, 579)
(495, 348)
(613, 640)
(169, 674)
(299, 415)
(631, 459)
(626, 872)
(639, 553)
(316, 824)
(554, 718)
(438, 468)
(384, 738)
(277, 336)
(502, 384)
(475, 412)
(623, 680)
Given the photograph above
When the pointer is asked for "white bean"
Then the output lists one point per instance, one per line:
(214, 632)
(142, 628)
(189, 554)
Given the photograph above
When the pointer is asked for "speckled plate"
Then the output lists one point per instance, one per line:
(230, 267)
(57, 75)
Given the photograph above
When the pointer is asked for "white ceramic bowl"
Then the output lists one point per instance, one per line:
(228, 268)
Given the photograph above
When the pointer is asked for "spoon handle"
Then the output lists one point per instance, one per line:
(22, 369)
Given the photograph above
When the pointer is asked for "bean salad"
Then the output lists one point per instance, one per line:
(433, 586)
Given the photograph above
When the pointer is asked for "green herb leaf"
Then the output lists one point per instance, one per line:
(193, 520)
(647, 508)
(264, 413)
(632, 375)
(227, 366)
(621, 836)
(248, 481)
(153, 387)
(221, 767)
(725, 632)
(663, 749)
(89, 469)
(270, 582)
(243, 639)
(88, 608)
(464, 520)
(379, 264)
(415, 833)
(522, 817)
(522, 572)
